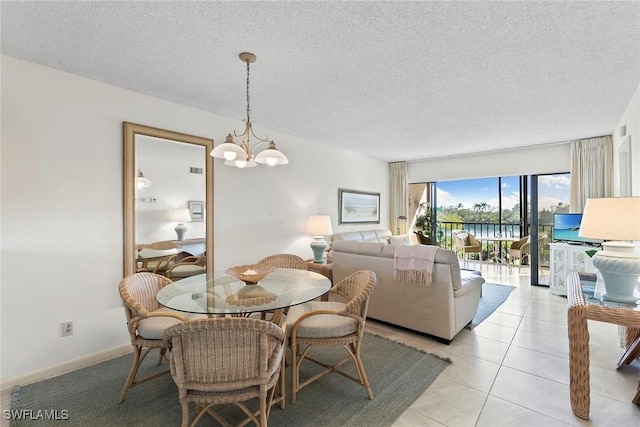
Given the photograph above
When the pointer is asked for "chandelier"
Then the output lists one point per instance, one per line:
(236, 149)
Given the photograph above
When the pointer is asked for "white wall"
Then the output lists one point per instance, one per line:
(551, 158)
(631, 120)
(62, 206)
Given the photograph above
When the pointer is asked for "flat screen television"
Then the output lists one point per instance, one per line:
(566, 228)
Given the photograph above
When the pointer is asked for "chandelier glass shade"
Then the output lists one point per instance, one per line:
(237, 151)
(141, 181)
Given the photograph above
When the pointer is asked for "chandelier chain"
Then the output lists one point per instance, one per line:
(248, 108)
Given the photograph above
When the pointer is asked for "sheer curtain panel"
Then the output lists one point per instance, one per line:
(398, 197)
(591, 170)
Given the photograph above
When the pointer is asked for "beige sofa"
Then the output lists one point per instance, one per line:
(441, 309)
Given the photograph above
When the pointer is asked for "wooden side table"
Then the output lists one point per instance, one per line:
(579, 311)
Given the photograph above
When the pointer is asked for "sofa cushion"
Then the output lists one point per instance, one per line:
(381, 236)
(361, 248)
(401, 239)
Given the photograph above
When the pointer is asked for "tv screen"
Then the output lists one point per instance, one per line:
(566, 228)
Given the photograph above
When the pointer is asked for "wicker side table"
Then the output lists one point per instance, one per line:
(323, 268)
(326, 269)
(578, 313)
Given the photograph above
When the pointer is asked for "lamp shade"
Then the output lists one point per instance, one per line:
(612, 218)
(181, 215)
(616, 220)
(319, 225)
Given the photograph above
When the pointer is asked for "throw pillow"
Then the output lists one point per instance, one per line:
(465, 237)
(401, 239)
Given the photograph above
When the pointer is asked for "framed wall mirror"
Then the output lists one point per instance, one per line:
(164, 172)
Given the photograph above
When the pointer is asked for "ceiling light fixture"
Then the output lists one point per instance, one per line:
(141, 181)
(236, 149)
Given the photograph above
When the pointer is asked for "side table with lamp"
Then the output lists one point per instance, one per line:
(319, 226)
(616, 220)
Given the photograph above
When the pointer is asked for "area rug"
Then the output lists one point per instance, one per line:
(398, 375)
(493, 296)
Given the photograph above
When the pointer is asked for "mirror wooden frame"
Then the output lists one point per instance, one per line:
(130, 130)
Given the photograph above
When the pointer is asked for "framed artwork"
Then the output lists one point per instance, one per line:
(358, 207)
(196, 208)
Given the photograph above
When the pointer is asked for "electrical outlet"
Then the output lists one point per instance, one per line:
(66, 328)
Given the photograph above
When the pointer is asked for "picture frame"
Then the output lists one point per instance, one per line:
(358, 207)
(196, 209)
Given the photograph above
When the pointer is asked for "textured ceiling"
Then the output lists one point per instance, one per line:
(392, 80)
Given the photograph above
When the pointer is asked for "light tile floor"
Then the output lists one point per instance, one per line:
(513, 369)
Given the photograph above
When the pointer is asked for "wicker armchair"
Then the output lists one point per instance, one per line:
(284, 261)
(187, 267)
(146, 321)
(332, 323)
(466, 243)
(522, 248)
(281, 261)
(225, 360)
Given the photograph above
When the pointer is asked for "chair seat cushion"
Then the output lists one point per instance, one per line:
(152, 328)
(322, 325)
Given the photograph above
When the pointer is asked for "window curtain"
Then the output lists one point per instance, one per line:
(591, 170)
(399, 197)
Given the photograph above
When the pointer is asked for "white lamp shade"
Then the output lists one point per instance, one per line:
(141, 181)
(613, 218)
(319, 225)
(271, 156)
(240, 163)
(228, 151)
(181, 215)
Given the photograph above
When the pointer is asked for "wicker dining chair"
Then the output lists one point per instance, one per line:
(332, 323)
(284, 261)
(225, 360)
(187, 267)
(281, 261)
(146, 322)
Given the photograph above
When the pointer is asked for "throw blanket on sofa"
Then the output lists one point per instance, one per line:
(413, 264)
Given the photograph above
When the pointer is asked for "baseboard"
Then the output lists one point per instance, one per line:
(66, 367)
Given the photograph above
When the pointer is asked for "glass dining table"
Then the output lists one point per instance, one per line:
(219, 293)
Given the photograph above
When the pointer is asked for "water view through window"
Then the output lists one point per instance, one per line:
(488, 206)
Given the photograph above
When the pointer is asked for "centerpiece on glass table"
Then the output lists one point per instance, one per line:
(250, 274)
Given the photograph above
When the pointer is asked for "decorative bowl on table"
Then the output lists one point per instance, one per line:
(250, 274)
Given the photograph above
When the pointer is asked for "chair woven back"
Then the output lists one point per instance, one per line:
(284, 261)
(138, 292)
(356, 289)
(224, 353)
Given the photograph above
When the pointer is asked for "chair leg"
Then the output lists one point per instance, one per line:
(361, 372)
(294, 371)
(132, 373)
(138, 358)
(185, 413)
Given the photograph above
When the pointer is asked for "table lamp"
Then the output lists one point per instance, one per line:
(319, 226)
(616, 219)
(181, 216)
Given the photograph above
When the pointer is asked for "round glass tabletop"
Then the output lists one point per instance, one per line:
(220, 293)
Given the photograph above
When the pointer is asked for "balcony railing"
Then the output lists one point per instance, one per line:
(445, 240)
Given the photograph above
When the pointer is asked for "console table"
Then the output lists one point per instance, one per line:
(566, 258)
(579, 310)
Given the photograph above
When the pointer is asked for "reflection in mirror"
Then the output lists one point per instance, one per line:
(168, 202)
